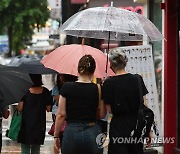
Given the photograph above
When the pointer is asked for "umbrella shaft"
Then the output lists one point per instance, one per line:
(108, 51)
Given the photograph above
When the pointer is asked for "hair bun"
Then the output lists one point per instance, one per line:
(87, 62)
(86, 65)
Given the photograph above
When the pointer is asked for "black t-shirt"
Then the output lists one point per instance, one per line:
(33, 124)
(81, 101)
(121, 92)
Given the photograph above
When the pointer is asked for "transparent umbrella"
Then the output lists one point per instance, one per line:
(111, 23)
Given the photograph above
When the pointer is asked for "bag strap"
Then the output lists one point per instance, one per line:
(99, 96)
(140, 90)
(16, 112)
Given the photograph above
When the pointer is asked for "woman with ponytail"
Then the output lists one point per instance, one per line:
(78, 104)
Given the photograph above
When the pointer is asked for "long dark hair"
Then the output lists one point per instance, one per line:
(36, 79)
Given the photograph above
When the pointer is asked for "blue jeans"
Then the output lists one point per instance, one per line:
(79, 138)
(30, 149)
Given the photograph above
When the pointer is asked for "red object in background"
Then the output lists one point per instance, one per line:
(162, 6)
(78, 1)
(22, 51)
(137, 9)
(158, 70)
(111, 45)
(130, 8)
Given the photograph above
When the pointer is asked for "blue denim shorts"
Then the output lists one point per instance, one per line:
(80, 138)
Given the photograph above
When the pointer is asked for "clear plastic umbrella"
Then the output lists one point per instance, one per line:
(111, 23)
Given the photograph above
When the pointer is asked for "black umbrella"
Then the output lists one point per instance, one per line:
(14, 83)
(16, 61)
(36, 67)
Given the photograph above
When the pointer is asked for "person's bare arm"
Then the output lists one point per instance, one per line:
(20, 106)
(108, 108)
(6, 113)
(102, 112)
(48, 108)
(56, 98)
(145, 101)
(60, 117)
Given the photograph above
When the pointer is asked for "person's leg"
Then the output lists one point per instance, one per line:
(53, 117)
(104, 126)
(35, 149)
(90, 140)
(70, 142)
(61, 138)
(118, 148)
(135, 148)
(80, 139)
(25, 149)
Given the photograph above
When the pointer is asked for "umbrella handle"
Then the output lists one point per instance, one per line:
(83, 41)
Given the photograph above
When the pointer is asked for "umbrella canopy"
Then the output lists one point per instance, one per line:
(65, 59)
(111, 23)
(36, 67)
(14, 83)
(16, 61)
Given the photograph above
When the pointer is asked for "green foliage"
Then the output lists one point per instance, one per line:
(19, 17)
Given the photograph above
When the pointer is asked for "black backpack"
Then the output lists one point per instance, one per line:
(145, 120)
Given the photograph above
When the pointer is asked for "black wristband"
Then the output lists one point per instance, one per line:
(56, 137)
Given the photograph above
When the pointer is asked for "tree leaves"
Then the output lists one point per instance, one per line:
(21, 16)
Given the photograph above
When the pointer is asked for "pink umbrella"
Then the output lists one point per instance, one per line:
(65, 60)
